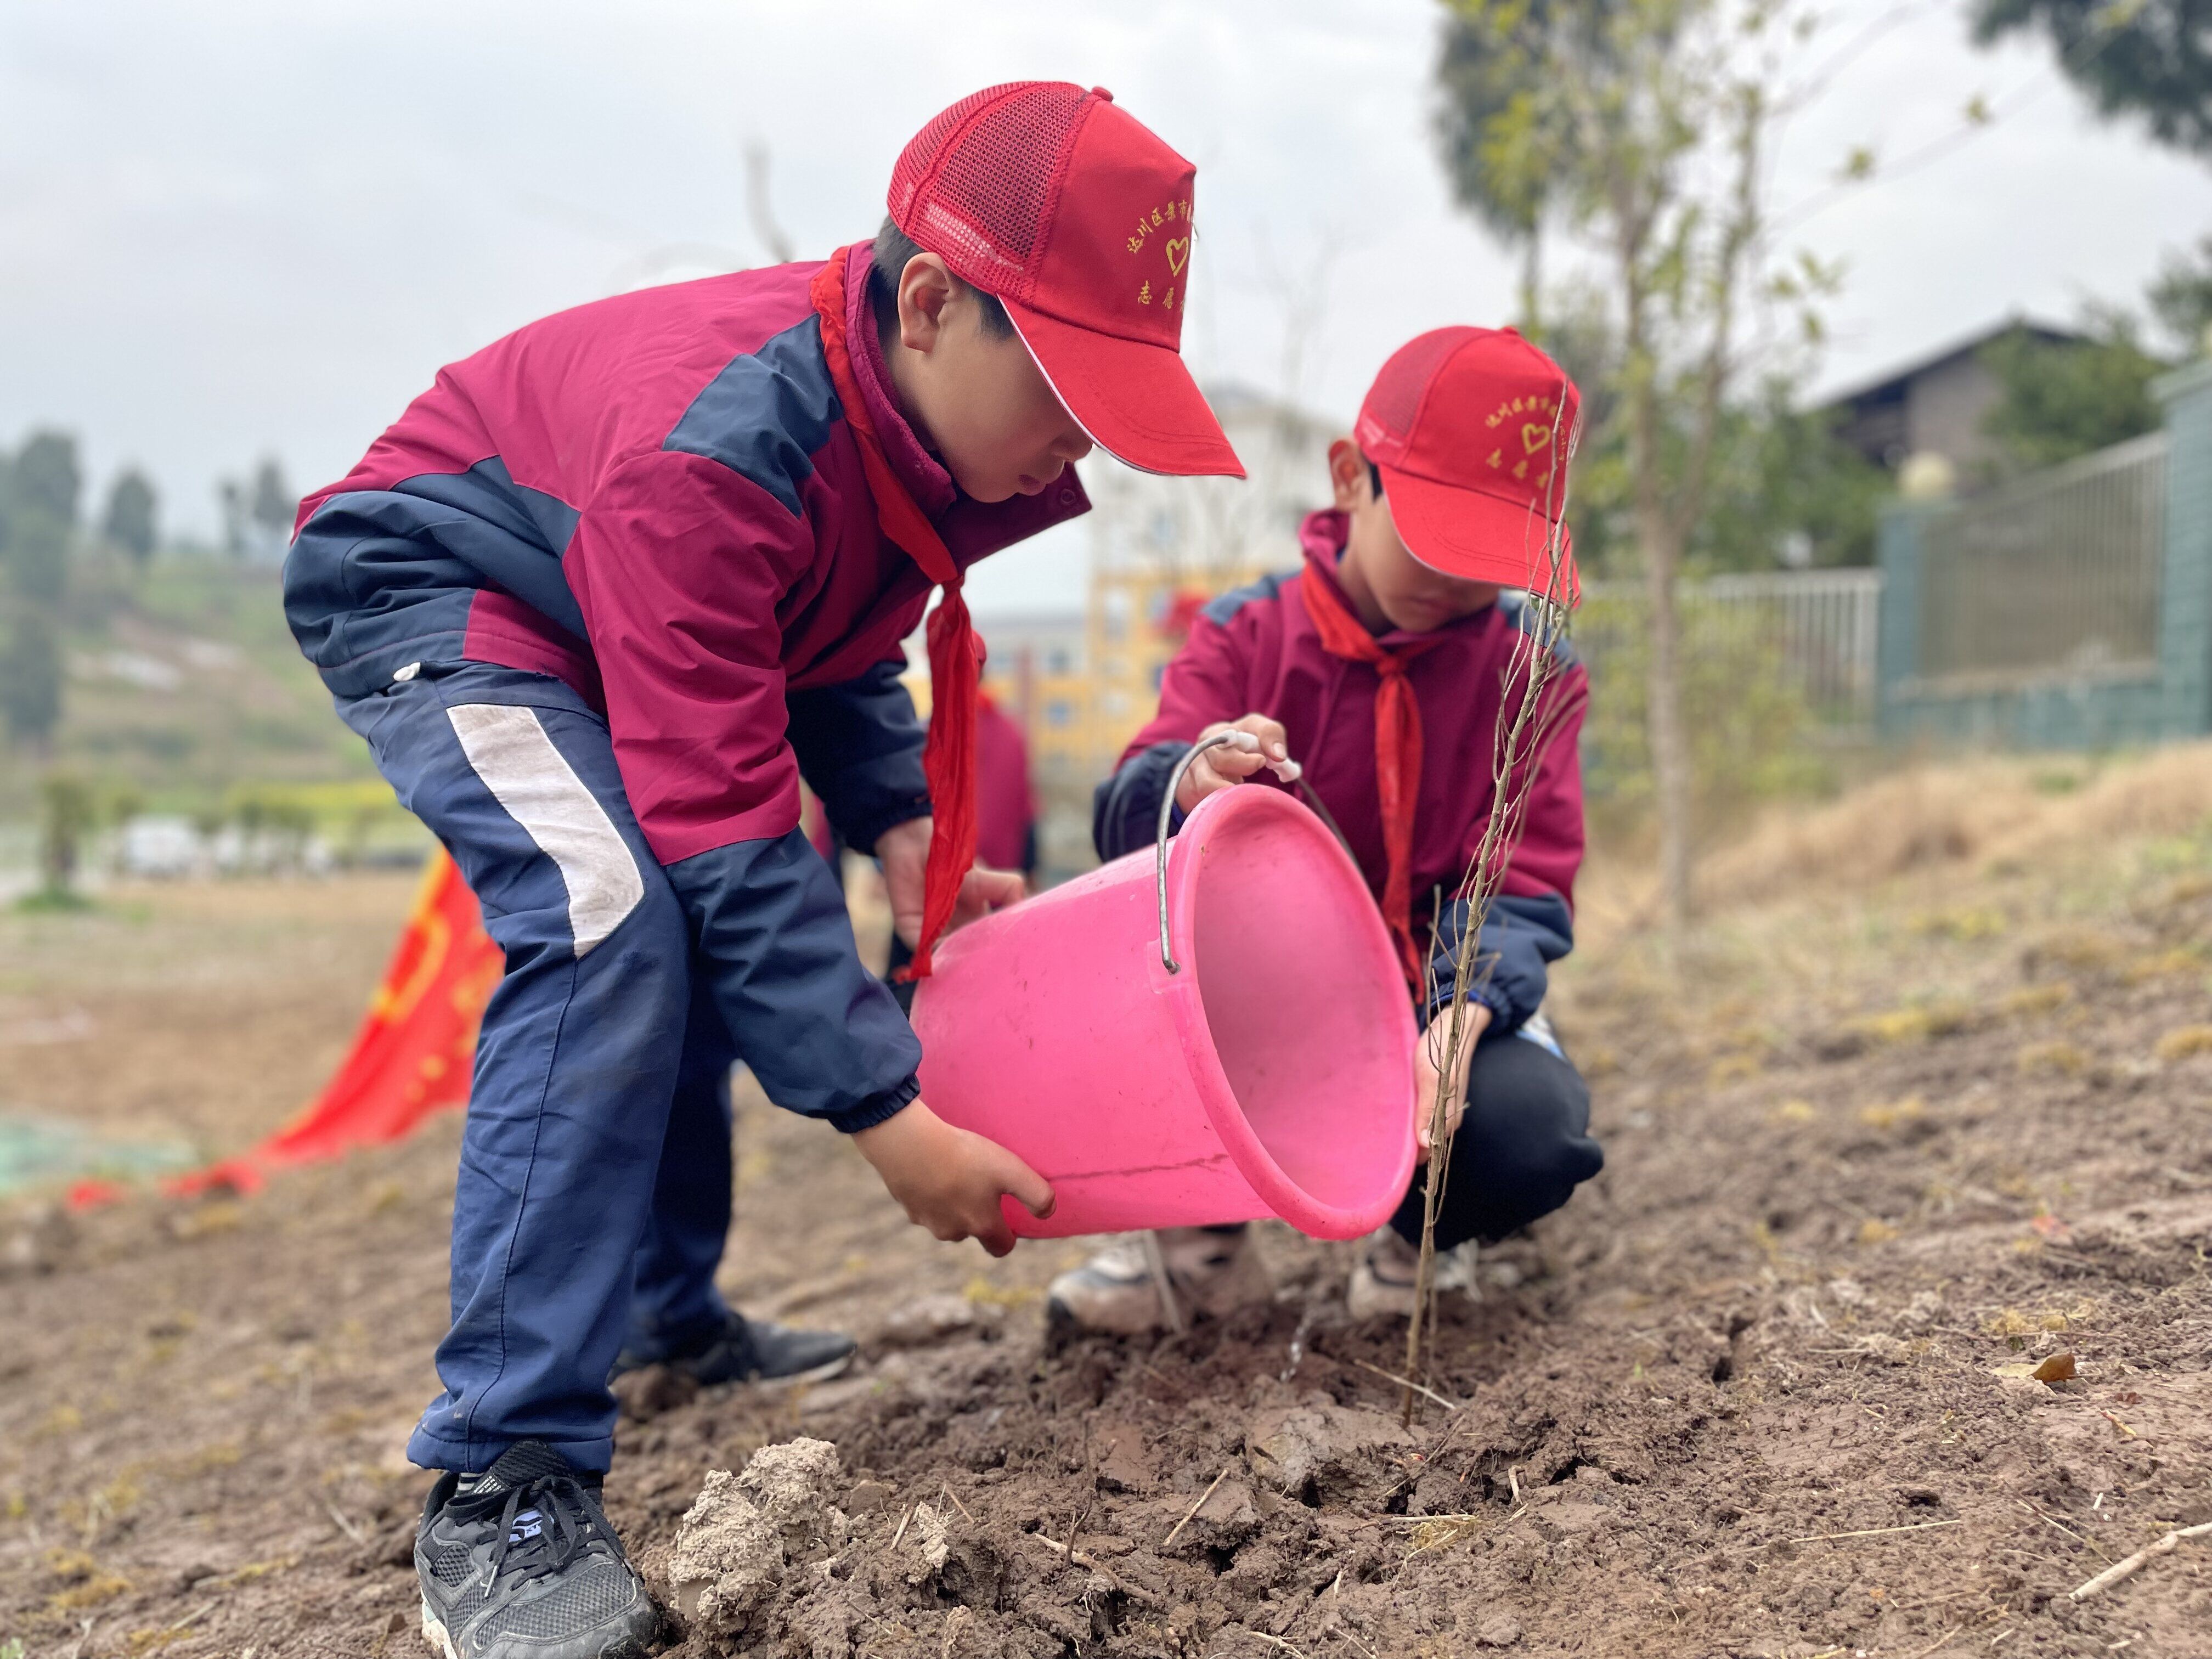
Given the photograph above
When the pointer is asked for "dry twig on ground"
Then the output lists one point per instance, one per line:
(1196, 1507)
(2135, 1563)
(1092, 1564)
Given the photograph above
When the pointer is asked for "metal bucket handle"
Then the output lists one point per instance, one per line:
(1244, 743)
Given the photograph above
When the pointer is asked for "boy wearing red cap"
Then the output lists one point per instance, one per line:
(598, 602)
(1381, 666)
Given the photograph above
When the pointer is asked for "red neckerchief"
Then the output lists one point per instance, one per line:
(948, 757)
(1397, 746)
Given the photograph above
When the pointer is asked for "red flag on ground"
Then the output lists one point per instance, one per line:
(412, 1054)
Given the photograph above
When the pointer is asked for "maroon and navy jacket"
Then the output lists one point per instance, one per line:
(657, 498)
(1256, 651)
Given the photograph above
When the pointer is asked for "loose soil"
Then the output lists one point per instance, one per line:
(1762, 1389)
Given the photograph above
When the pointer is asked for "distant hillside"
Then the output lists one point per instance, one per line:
(184, 689)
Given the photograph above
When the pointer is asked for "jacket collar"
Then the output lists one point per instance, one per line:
(971, 529)
(1322, 535)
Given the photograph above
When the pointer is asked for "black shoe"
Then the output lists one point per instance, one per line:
(752, 1350)
(523, 1565)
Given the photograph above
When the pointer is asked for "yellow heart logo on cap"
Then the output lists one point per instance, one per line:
(1534, 437)
(1178, 254)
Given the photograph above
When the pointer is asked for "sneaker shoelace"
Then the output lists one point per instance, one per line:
(545, 1523)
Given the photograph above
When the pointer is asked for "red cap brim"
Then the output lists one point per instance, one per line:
(1136, 401)
(1481, 537)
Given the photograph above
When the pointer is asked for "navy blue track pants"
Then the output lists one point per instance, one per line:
(593, 1198)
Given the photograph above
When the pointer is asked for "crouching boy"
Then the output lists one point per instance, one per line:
(1380, 666)
(597, 602)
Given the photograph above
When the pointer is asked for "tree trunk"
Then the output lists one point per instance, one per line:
(1671, 770)
(1532, 282)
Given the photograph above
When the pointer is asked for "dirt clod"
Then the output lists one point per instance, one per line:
(1318, 1451)
(745, 1536)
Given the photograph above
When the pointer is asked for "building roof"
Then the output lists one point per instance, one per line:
(1892, 381)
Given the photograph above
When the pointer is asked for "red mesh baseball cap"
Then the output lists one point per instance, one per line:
(1471, 429)
(1078, 218)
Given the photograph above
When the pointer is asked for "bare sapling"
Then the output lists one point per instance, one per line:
(1527, 723)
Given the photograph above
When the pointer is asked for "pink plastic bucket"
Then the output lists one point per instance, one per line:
(1271, 1075)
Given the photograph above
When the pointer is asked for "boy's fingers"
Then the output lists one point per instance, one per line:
(994, 889)
(1274, 740)
(1034, 1191)
(998, 1239)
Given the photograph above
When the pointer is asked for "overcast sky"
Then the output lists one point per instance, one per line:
(259, 225)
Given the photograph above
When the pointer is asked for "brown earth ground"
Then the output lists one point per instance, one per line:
(1927, 1108)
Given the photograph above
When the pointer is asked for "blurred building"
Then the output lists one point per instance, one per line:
(1930, 410)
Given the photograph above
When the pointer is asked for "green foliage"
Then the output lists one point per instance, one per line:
(1786, 490)
(38, 491)
(1503, 143)
(30, 677)
(250, 708)
(2063, 398)
(2181, 298)
(68, 809)
(129, 522)
(45, 478)
(1751, 731)
(2152, 58)
(275, 501)
(37, 554)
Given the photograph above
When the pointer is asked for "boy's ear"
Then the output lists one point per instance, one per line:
(1347, 475)
(925, 287)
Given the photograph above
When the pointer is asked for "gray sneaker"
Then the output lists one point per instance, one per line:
(1211, 1273)
(1382, 1284)
(523, 1563)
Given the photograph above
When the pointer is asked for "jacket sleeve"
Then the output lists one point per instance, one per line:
(677, 563)
(858, 746)
(1520, 937)
(1531, 922)
(1203, 686)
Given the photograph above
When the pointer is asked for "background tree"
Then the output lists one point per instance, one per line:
(46, 478)
(130, 521)
(2181, 298)
(1643, 126)
(67, 814)
(39, 499)
(1488, 114)
(2151, 58)
(2061, 399)
(273, 503)
(231, 497)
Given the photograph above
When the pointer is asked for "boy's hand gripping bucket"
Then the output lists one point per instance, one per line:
(1235, 1042)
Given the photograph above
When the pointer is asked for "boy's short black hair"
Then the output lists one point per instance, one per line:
(1375, 473)
(894, 247)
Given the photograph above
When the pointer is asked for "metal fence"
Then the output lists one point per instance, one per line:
(1815, 630)
(2053, 577)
